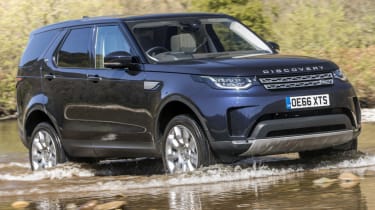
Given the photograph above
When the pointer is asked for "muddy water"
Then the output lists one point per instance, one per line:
(275, 182)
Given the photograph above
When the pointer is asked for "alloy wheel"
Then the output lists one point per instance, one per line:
(43, 151)
(181, 150)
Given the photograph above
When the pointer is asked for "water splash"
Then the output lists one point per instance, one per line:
(14, 164)
(60, 172)
(257, 174)
(359, 162)
(368, 115)
(209, 175)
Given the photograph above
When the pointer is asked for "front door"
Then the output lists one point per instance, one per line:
(116, 101)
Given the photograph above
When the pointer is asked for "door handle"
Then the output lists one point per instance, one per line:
(49, 76)
(94, 78)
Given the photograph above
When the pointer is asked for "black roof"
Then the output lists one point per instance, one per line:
(120, 18)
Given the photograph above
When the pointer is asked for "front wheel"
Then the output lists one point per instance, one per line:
(45, 150)
(185, 147)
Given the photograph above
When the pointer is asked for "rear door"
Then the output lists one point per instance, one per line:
(65, 84)
(116, 100)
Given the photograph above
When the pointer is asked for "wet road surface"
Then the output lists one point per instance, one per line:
(273, 182)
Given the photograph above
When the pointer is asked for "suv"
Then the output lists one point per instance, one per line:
(193, 88)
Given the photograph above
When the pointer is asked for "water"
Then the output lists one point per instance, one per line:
(273, 182)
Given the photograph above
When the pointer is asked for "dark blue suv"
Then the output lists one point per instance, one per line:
(194, 89)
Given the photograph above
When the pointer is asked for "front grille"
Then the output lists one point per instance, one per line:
(288, 82)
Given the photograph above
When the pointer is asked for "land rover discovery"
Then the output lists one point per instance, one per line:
(193, 89)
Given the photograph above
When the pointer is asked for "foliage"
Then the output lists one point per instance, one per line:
(322, 25)
(250, 12)
(7, 85)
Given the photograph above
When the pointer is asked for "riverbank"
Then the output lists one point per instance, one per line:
(9, 117)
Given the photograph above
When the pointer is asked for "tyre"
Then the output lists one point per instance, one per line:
(185, 147)
(45, 149)
(350, 146)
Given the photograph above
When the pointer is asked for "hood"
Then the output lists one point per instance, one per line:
(273, 64)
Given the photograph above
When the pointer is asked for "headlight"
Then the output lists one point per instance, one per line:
(339, 75)
(236, 83)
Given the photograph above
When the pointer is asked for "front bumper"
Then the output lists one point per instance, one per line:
(299, 134)
(233, 115)
(291, 135)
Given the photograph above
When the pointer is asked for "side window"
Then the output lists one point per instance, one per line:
(109, 39)
(74, 52)
(37, 44)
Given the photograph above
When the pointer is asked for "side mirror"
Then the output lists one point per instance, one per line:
(274, 46)
(118, 60)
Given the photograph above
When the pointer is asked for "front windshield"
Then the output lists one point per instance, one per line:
(194, 38)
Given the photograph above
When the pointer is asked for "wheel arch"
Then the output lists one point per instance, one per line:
(173, 106)
(34, 116)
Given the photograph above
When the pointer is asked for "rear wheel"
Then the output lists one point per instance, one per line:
(45, 148)
(348, 147)
(185, 147)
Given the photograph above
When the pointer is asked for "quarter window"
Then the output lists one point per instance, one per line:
(37, 44)
(75, 50)
(109, 39)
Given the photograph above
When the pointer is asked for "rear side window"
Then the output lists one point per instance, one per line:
(36, 46)
(74, 52)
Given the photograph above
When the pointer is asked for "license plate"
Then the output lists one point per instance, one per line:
(299, 102)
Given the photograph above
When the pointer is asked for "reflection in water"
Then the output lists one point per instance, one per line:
(274, 182)
(183, 199)
(291, 192)
(46, 204)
